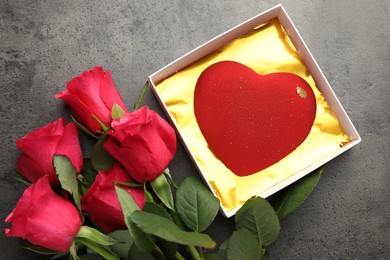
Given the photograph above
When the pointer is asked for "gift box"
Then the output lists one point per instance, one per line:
(266, 43)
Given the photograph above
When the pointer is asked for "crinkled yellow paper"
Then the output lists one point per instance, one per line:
(265, 49)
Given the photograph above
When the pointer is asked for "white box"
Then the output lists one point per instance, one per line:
(304, 53)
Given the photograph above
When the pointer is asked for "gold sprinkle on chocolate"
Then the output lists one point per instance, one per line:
(301, 92)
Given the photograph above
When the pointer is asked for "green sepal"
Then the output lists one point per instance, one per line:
(41, 250)
(168, 175)
(97, 248)
(101, 124)
(163, 191)
(148, 195)
(117, 111)
(73, 251)
(83, 128)
(27, 183)
(95, 236)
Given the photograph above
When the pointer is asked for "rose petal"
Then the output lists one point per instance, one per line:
(101, 198)
(143, 143)
(51, 129)
(33, 171)
(39, 146)
(57, 229)
(108, 92)
(87, 88)
(82, 112)
(44, 218)
(69, 145)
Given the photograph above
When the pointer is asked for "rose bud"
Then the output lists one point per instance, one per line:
(44, 218)
(101, 202)
(39, 146)
(92, 94)
(143, 143)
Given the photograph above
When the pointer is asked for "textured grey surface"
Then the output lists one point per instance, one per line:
(43, 44)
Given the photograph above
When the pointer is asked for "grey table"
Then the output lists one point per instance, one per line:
(43, 44)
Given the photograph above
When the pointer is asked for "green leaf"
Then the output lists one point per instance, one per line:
(117, 111)
(128, 205)
(219, 255)
(258, 216)
(91, 257)
(124, 244)
(135, 253)
(61, 255)
(97, 248)
(88, 172)
(96, 236)
(195, 204)
(169, 249)
(291, 197)
(100, 158)
(163, 191)
(265, 254)
(127, 202)
(156, 210)
(243, 245)
(67, 176)
(41, 250)
(142, 240)
(166, 229)
(224, 244)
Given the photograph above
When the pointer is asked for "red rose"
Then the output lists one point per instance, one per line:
(92, 93)
(143, 143)
(39, 146)
(101, 202)
(44, 218)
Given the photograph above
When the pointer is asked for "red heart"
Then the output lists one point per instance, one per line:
(251, 121)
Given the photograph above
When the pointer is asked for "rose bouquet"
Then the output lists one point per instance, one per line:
(121, 200)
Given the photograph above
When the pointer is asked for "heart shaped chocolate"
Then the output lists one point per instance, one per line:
(251, 121)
